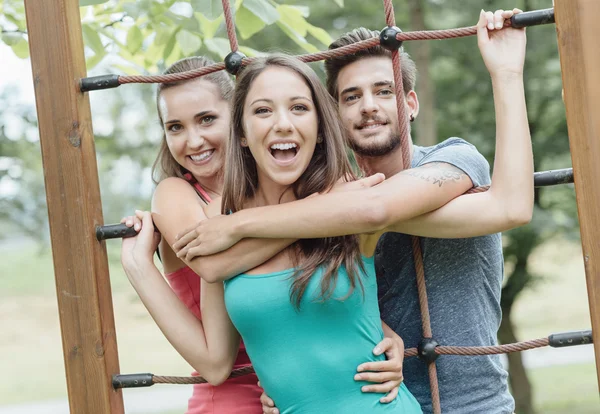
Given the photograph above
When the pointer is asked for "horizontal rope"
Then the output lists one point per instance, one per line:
(483, 350)
(311, 57)
(409, 352)
(197, 379)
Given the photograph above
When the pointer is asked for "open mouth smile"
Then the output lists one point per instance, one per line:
(203, 157)
(284, 153)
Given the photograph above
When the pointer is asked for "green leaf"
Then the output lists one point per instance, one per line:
(248, 23)
(170, 44)
(175, 55)
(154, 52)
(209, 27)
(21, 49)
(211, 9)
(83, 3)
(94, 60)
(304, 10)
(250, 52)
(92, 39)
(339, 3)
(320, 34)
(292, 17)
(162, 36)
(218, 46)
(263, 10)
(12, 38)
(137, 8)
(135, 38)
(299, 40)
(188, 42)
(190, 24)
(128, 70)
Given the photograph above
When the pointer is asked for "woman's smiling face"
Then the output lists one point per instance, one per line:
(196, 122)
(280, 125)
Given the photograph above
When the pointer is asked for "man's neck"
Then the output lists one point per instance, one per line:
(389, 164)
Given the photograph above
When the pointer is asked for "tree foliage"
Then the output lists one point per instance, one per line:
(138, 36)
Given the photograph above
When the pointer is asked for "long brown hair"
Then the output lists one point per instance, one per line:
(165, 165)
(328, 164)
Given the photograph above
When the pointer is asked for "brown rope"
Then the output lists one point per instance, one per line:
(174, 77)
(408, 353)
(442, 34)
(483, 350)
(404, 132)
(199, 380)
(307, 58)
(230, 24)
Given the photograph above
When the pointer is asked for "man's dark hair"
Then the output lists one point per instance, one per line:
(333, 66)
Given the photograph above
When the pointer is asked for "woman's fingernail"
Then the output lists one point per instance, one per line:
(137, 226)
(365, 389)
(377, 350)
(357, 377)
(128, 222)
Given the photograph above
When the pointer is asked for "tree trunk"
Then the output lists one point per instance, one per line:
(519, 382)
(427, 127)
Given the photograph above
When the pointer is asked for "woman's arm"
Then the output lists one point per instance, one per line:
(176, 207)
(210, 348)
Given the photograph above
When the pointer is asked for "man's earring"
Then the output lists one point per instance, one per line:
(319, 139)
(412, 118)
(244, 142)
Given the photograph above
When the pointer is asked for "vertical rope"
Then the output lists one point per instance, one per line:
(401, 110)
(230, 24)
(416, 245)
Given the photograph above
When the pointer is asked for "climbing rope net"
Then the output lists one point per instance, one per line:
(391, 38)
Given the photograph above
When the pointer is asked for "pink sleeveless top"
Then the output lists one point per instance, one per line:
(236, 395)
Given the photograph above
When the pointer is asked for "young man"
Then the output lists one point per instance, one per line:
(463, 275)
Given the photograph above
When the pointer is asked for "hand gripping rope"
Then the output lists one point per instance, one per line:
(391, 38)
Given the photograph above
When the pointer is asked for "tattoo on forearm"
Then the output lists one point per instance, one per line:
(437, 173)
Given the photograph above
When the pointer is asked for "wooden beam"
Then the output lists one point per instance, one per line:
(74, 207)
(576, 22)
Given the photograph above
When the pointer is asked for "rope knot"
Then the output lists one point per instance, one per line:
(233, 62)
(388, 38)
(426, 350)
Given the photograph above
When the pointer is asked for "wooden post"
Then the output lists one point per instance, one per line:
(74, 207)
(576, 22)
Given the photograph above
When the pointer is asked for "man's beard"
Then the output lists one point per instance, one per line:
(378, 149)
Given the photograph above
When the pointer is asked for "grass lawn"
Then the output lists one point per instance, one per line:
(31, 350)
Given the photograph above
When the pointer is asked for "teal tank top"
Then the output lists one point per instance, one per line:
(306, 359)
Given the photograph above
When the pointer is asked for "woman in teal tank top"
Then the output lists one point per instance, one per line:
(306, 359)
(308, 316)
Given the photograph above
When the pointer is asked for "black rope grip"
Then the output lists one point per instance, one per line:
(233, 62)
(132, 380)
(387, 38)
(532, 18)
(96, 83)
(426, 350)
(114, 231)
(560, 340)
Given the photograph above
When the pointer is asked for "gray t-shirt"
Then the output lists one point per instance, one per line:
(464, 280)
